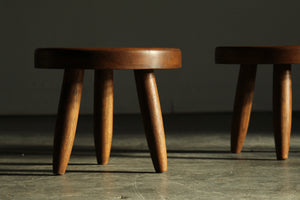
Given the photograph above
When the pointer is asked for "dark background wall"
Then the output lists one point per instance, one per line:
(194, 26)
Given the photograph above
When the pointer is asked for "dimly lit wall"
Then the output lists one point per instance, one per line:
(195, 27)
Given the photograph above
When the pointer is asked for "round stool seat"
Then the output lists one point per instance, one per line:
(258, 55)
(108, 58)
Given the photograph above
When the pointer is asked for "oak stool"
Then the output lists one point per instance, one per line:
(104, 60)
(248, 57)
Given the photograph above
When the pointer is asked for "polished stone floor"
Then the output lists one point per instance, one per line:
(200, 164)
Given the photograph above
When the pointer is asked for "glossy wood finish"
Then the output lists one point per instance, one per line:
(67, 117)
(282, 109)
(152, 117)
(108, 58)
(103, 114)
(242, 106)
(249, 56)
(258, 55)
(104, 61)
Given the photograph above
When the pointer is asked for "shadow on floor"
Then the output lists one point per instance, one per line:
(36, 150)
(35, 172)
(24, 150)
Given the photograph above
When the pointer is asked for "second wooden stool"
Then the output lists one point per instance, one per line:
(104, 60)
(248, 57)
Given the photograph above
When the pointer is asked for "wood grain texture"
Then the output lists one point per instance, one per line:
(242, 106)
(108, 58)
(67, 117)
(258, 55)
(152, 117)
(104, 61)
(282, 109)
(103, 114)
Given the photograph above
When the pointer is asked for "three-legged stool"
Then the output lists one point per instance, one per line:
(104, 60)
(248, 57)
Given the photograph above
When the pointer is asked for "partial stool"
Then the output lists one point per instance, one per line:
(104, 60)
(248, 57)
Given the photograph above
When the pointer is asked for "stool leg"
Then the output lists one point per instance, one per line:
(282, 109)
(67, 117)
(242, 106)
(152, 117)
(103, 114)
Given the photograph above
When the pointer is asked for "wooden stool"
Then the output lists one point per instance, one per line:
(248, 57)
(104, 60)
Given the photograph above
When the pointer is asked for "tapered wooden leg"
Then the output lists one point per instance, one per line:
(103, 114)
(67, 117)
(282, 109)
(152, 117)
(242, 106)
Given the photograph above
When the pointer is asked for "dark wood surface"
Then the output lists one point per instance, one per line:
(104, 60)
(108, 58)
(242, 106)
(103, 114)
(282, 109)
(258, 55)
(67, 117)
(152, 118)
(248, 57)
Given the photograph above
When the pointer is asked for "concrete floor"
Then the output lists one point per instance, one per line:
(200, 164)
